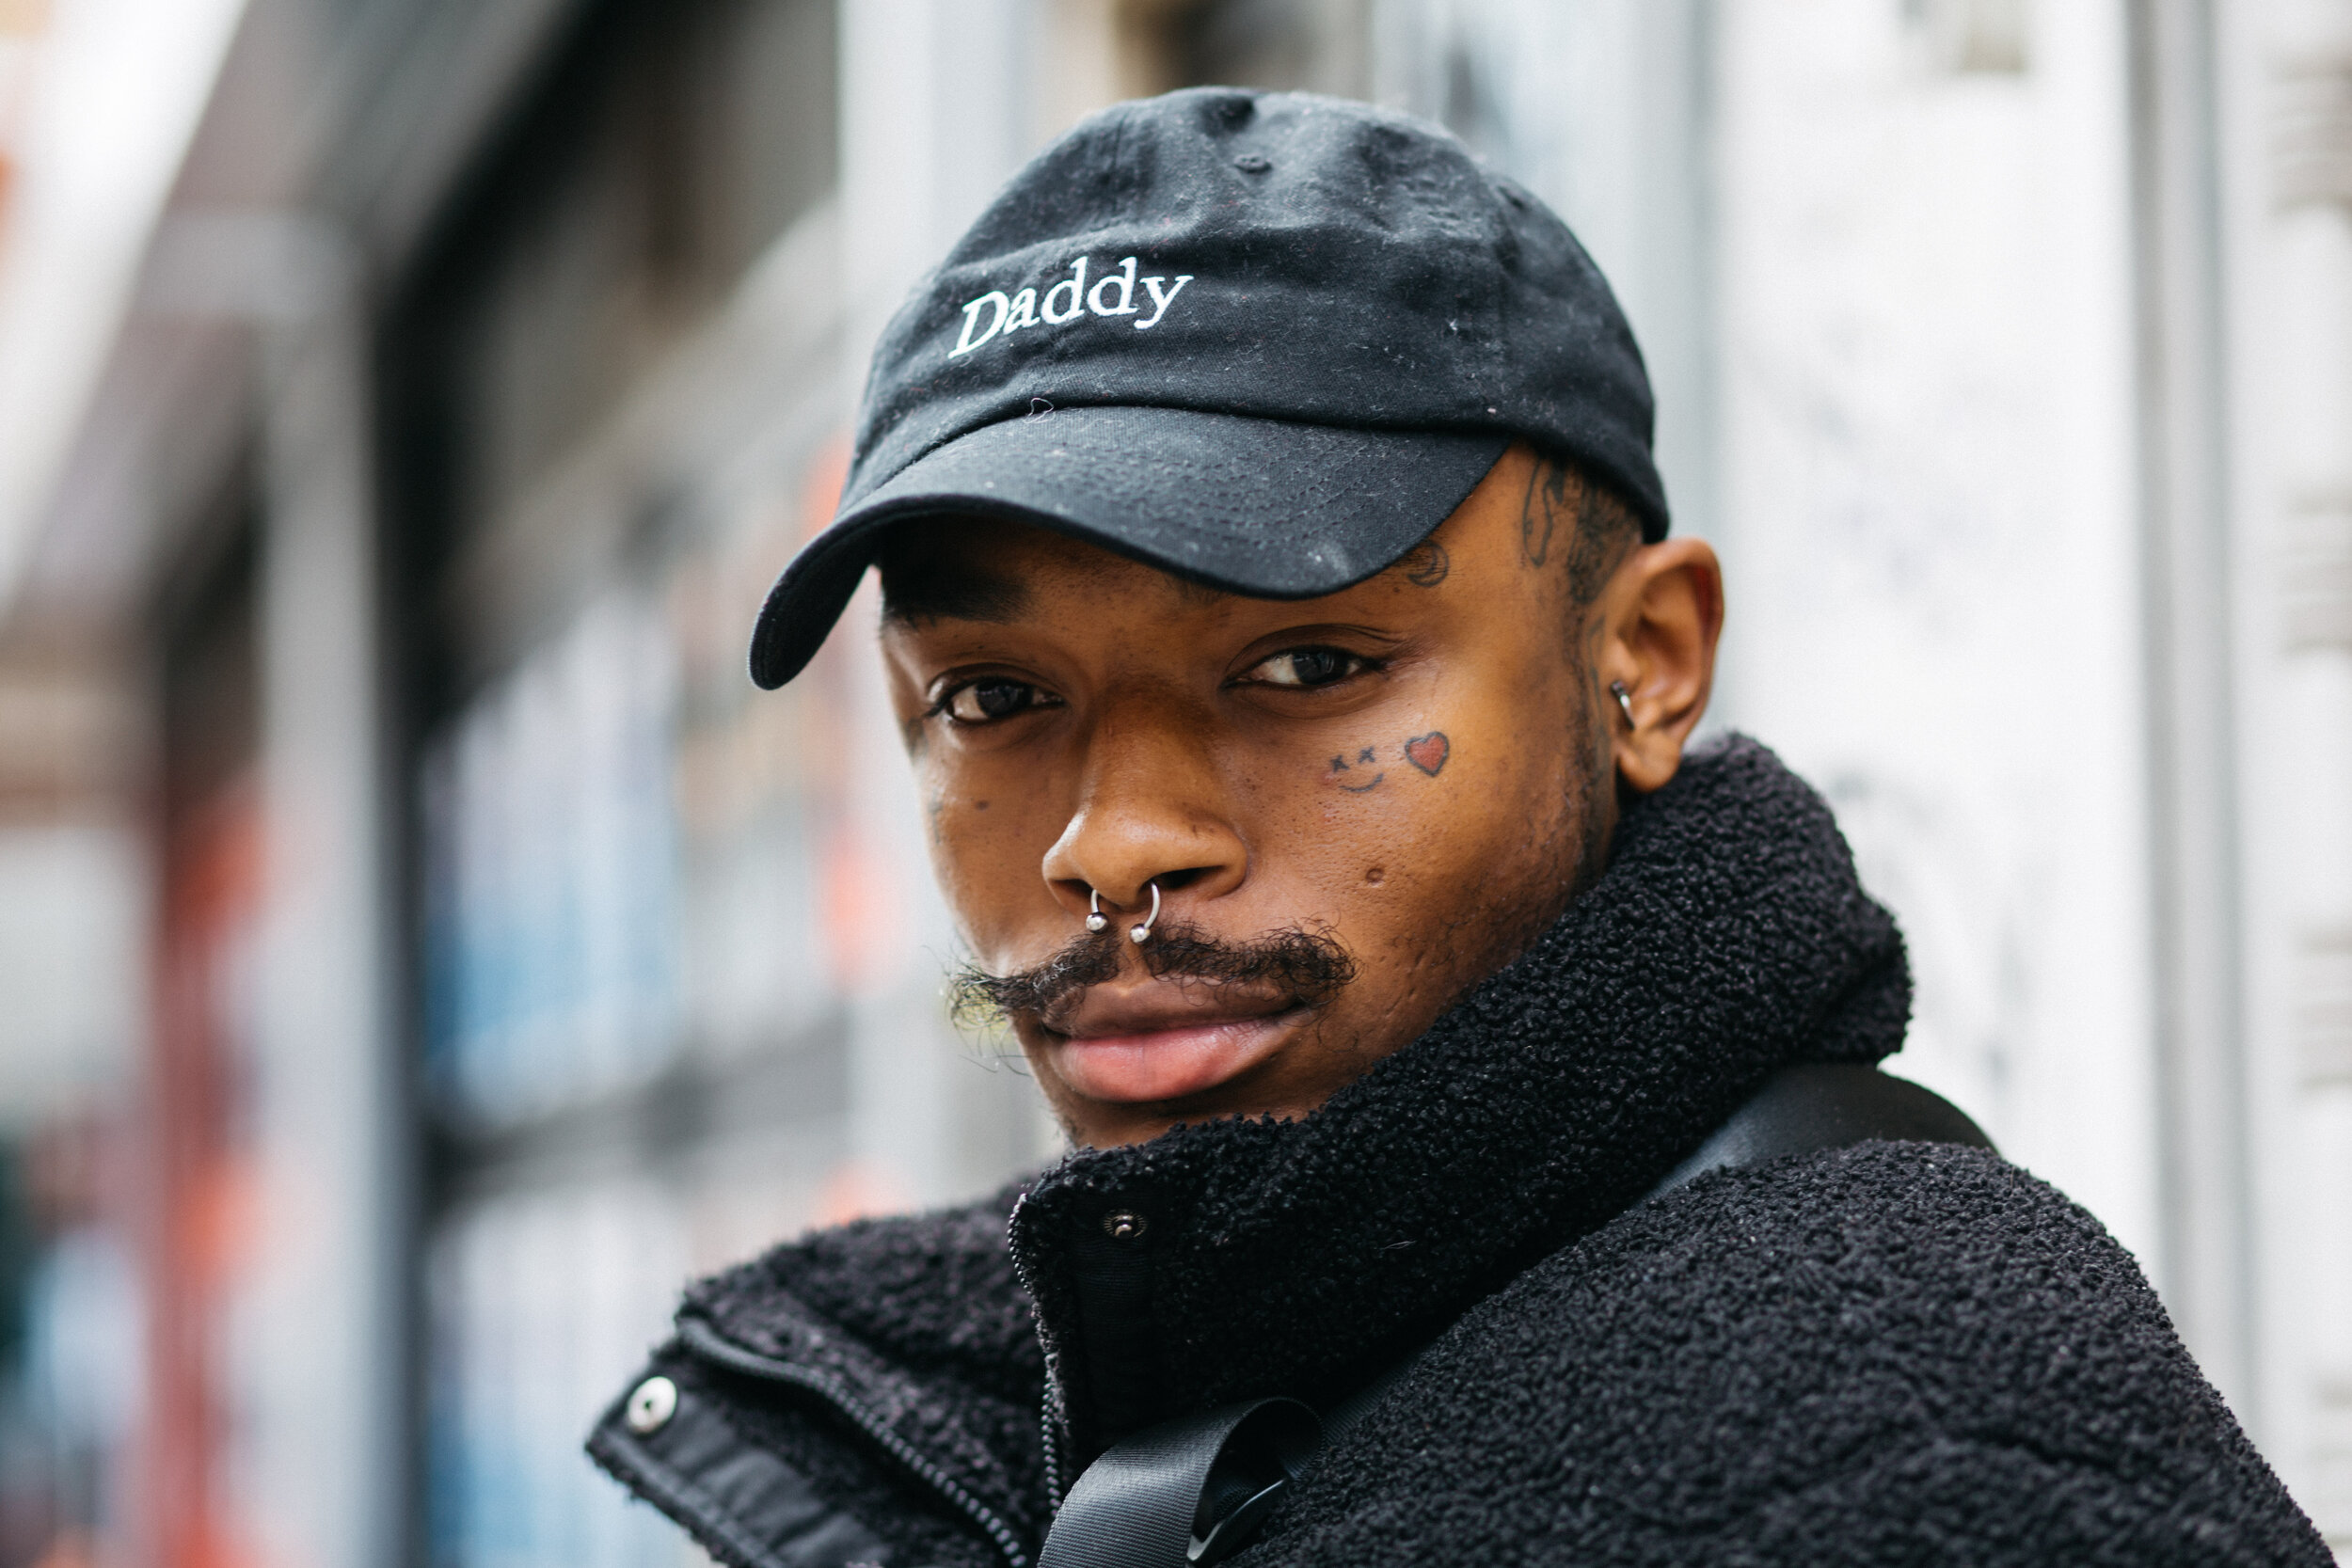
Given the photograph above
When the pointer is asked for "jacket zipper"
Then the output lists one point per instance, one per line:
(1049, 1412)
(1050, 1429)
(705, 1341)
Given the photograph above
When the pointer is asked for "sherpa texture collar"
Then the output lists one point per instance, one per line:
(1727, 937)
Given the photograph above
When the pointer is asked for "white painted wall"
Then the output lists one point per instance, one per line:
(2286, 71)
(1929, 529)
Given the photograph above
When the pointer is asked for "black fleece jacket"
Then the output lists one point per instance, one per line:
(1888, 1354)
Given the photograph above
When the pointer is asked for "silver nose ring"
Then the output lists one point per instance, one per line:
(1138, 934)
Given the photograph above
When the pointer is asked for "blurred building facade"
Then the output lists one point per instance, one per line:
(427, 950)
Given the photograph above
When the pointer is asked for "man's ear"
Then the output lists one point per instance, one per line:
(1660, 617)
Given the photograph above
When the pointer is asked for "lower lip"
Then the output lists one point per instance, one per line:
(1169, 1064)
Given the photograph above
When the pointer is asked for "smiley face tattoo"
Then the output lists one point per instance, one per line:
(1364, 758)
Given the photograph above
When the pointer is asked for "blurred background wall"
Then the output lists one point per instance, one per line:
(421, 949)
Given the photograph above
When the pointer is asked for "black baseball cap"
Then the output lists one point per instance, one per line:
(1266, 342)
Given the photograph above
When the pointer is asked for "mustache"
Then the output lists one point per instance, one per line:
(1310, 966)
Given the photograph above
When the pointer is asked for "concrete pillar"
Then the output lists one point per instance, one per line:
(934, 118)
(2206, 1262)
(321, 1337)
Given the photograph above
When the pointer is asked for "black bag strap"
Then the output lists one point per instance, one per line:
(1816, 1105)
(1187, 1492)
(1183, 1492)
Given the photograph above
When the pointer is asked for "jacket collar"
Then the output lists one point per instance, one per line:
(1727, 937)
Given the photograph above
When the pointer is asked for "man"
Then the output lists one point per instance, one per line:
(1477, 1157)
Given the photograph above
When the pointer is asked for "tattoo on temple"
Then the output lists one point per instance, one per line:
(1541, 509)
(1604, 529)
(1427, 565)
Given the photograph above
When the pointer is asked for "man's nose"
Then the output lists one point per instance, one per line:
(1152, 809)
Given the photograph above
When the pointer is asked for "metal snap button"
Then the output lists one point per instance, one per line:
(1125, 1225)
(651, 1405)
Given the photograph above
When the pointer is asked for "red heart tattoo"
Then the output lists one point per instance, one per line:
(1428, 751)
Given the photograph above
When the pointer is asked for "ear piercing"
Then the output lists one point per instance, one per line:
(1138, 934)
(1625, 703)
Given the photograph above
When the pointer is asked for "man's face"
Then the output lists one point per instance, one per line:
(1354, 807)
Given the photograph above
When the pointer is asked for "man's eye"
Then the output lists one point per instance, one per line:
(1308, 667)
(983, 700)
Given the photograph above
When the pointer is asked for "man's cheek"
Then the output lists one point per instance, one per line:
(987, 854)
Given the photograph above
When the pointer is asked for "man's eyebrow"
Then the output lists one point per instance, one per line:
(943, 593)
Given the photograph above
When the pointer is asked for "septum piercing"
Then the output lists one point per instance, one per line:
(1138, 934)
(1625, 703)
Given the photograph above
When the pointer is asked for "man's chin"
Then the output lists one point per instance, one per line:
(1167, 1065)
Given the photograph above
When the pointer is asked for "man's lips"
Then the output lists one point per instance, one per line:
(1162, 1043)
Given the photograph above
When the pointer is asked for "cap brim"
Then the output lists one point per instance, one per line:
(1264, 507)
